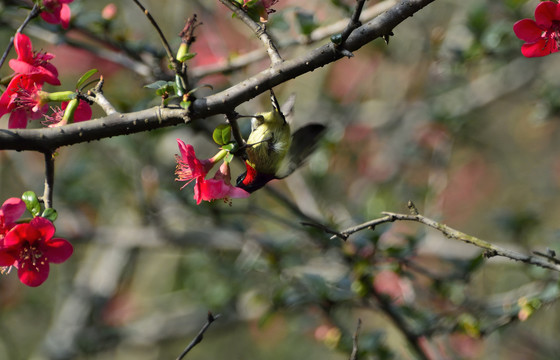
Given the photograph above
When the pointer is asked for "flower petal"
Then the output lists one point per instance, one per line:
(12, 209)
(547, 12)
(7, 258)
(18, 120)
(20, 234)
(65, 14)
(527, 30)
(539, 48)
(57, 250)
(44, 227)
(33, 275)
(24, 50)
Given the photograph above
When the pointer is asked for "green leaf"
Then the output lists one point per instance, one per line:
(186, 57)
(306, 22)
(32, 203)
(50, 214)
(179, 85)
(156, 85)
(229, 157)
(222, 134)
(230, 146)
(185, 104)
(85, 77)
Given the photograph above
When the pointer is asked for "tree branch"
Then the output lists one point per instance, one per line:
(258, 29)
(220, 103)
(490, 249)
(211, 318)
(49, 179)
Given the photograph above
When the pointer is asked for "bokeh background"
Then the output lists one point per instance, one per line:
(448, 114)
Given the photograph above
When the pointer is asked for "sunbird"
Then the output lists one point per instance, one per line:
(272, 151)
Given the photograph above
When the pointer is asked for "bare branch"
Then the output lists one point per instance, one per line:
(220, 103)
(258, 29)
(354, 354)
(32, 14)
(490, 249)
(49, 180)
(318, 34)
(96, 95)
(211, 318)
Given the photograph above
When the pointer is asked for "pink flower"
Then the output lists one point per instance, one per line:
(219, 187)
(10, 211)
(541, 35)
(33, 64)
(57, 12)
(190, 168)
(23, 100)
(30, 248)
(83, 113)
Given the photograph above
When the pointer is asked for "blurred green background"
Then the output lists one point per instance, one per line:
(448, 114)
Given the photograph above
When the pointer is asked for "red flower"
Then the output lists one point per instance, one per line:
(83, 113)
(23, 100)
(30, 248)
(190, 168)
(218, 188)
(10, 211)
(57, 12)
(33, 64)
(541, 35)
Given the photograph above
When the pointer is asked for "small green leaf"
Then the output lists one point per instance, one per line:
(50, 214)
(186, 57)
(222, 134)
(230, 146)
(229, 157)
(156, 85)
(179, 85)
(185, 104)
(85, 77)
(32, 203)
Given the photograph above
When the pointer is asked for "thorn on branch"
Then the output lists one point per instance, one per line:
(386, 37)
(412, 208)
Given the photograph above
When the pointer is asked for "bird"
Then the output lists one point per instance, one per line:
(273, 152)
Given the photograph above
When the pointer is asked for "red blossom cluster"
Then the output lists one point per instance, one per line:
(541, 35)
(24, 98)
(29, 246)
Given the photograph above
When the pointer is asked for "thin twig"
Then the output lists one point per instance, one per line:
(232, 120)
(49, 179)
(354, 354)
(96, 95)
(491, 249)
(32, 14)
(161, 36)
(258, 29)
(321, 33)
(199, 336)
(354, 22)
